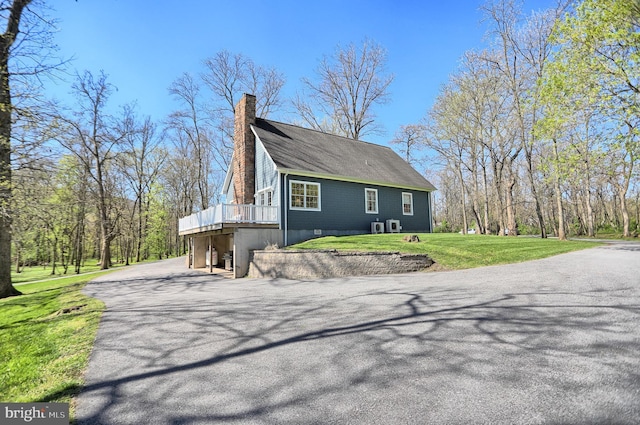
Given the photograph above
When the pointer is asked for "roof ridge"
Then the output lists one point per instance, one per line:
(325, 133)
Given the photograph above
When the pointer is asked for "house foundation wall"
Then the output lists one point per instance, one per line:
(246, 240)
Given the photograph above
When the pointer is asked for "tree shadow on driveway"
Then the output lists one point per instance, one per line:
(180, 348)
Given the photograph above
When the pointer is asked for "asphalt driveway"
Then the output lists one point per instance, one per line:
(555, 341)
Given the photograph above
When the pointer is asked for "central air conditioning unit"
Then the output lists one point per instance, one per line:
(377, 227)
(393, 226)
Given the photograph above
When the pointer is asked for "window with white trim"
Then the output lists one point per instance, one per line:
(371, 201)
(407, 203)
(304, 195)
(265, 197)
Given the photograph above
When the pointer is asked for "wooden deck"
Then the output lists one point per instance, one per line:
(229, 215)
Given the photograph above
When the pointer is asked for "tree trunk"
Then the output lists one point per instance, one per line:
(105, 228)
(105, 232)
(105, 253)
(478, 219)
(579, 222)
(18, 252)
(6, 288)
(140, 236)
(64, 258)
(553, 219)
(476, 196)
(6, 41)
(54, 255)
(500, 207)
(501, 218)
(534, 192)
(614, 212)
(79, 242)
(462, 201)
(591, 231)
(486, 201)
(561, 224)
(512, 225)
(625, 212)
(637, 210)
(142, 223)
(556, 186)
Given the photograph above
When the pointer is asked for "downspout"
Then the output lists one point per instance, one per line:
(431, 210)
(286, 211)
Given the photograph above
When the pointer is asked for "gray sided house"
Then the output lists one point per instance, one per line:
(287, 184)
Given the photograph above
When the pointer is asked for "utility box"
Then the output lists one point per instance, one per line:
(228, 261)
(377, 227)
(393, 226)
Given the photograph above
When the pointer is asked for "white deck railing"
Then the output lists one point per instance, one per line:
(229, 213)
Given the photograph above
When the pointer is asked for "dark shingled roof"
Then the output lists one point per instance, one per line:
(298, 149)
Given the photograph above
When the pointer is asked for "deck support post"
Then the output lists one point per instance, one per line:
(189, 251)
(210, 253)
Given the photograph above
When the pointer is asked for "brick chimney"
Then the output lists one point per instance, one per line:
(244, 151)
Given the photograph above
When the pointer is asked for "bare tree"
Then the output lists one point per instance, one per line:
(409, 138)
(190, 124)
(228, 76)
(266, 83)
(349, 85)
(93, 137)
(225, 77)
(203, 126)
(521, 53)
(478, 105)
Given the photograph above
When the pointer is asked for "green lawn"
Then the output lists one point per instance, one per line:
(35, 273)
(451, 250)
(46, 336)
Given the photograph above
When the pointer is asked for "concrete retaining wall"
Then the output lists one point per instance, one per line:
(306, 264)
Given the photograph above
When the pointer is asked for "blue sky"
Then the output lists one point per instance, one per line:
(144, 45)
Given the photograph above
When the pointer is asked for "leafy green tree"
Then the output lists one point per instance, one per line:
(140, 163)
(158, 236)
(597, 60)
(69, 201)
(27, 201)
